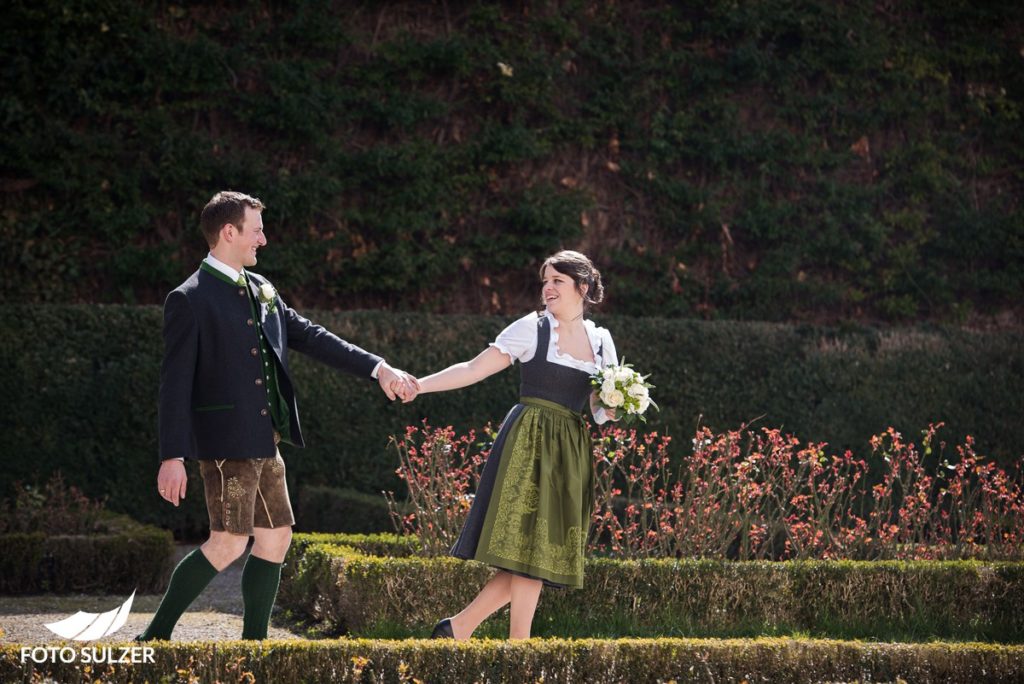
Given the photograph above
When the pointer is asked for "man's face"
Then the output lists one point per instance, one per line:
(249, 237)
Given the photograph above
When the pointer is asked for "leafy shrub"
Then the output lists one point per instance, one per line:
(440, 471)
(747, 495)
(53, 508)
(753, 495)
(55, 539)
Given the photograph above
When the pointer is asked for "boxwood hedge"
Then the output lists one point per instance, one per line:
(377, 586)
(127, 556)
(82, 392)
(596, 661)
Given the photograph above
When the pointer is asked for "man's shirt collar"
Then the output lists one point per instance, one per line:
(222, 267)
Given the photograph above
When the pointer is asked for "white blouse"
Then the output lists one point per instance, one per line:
(519, 341)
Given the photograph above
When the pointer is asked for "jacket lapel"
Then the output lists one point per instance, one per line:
(272, 329)
(254, 290)
(271, 323)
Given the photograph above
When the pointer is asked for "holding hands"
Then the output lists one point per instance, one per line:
(397, 383)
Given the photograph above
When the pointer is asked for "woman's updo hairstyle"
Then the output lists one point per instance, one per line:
(581, 269)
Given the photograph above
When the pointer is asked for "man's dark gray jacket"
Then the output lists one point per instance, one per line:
(213, 401)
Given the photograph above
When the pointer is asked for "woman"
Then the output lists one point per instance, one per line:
(532, 509)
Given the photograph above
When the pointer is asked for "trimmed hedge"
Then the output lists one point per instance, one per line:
(337, 509)
(131, 556)
(83, 382)
(626, 661)
(347, 584)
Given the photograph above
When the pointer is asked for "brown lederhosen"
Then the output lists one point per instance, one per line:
(245, 493)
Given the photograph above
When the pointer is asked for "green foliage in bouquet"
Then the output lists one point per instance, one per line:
(623, 390)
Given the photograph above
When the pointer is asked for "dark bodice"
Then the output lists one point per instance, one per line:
(542, 379)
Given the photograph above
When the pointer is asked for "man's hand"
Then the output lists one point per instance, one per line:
(172, 480)
(397, 383)
(408, 390)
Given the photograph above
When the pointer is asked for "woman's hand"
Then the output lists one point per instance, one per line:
(397, 383)
(595, 404)
(407, 389)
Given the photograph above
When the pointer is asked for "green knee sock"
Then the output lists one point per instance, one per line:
(260, 579)
(191, 576)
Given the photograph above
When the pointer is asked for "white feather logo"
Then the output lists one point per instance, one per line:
(89, 626)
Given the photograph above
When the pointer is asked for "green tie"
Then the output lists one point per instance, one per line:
(241, 280)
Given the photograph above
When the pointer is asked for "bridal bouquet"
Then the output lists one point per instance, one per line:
(623, 389)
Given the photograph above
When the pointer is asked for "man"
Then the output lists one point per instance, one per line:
(226, 399)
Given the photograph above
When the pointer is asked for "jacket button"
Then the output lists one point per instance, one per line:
(254, 351)
(259, 381)
(241, 293)
(249, 322)
(263, 412)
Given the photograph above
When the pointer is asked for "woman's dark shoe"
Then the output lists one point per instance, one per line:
(443, 630)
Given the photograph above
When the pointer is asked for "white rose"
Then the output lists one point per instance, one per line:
(613, 398)
(608, 385)
(623, 375)
(645, 402)
(267, 292)
(638, 390)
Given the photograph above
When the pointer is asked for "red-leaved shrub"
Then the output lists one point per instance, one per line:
(747, 494)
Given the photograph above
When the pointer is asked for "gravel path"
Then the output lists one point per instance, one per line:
(215, 615)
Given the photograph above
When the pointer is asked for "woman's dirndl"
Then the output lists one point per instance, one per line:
(531, 513)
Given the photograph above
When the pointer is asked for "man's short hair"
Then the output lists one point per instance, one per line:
(227, 206)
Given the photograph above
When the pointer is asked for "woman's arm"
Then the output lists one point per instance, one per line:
(487, 363)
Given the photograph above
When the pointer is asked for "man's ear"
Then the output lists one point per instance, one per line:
(228, 232)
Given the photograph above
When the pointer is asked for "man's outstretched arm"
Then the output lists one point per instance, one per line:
(320, 343)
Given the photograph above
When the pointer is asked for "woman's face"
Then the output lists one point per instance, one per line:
(559, 293)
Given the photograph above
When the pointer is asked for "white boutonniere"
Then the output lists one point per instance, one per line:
(268, 297)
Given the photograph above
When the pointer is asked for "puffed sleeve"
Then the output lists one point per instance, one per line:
(609, 357)
(519, 340)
